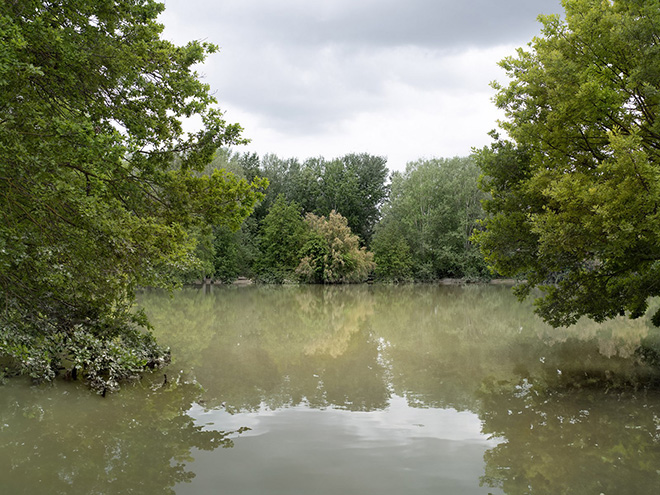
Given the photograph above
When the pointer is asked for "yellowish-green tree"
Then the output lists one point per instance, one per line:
(575, 192)
(332, 253)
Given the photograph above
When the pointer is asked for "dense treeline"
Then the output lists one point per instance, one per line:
(102, 192)
(348, 219)
(425, 230)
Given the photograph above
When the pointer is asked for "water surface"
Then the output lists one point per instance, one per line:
(356, 389)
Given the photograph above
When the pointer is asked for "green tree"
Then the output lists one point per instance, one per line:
(434, 206)
(225, 255)
(354, 186)
(306, 186)
(332, 253)
(392, 254)
(247, 248)
(282, 175)
(575, 193)
(283, 233)
(91, 104)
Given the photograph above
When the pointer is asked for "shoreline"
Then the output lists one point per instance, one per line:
(243, 281)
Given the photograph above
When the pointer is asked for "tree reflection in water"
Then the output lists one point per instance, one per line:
(64, 440)
(575, 410)
(571, 442)
(574, 428)
(277, 346)
(569, 405)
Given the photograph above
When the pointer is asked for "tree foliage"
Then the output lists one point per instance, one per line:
(332, 253)
(392, 253)
(353, 185)
(433, 208)
(283, 233)
(91, 104)
(575, 193)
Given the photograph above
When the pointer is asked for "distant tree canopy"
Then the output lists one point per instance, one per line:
(91, 103)
(268, 245)
(575, 193)
(283, 234)
(354, 185)
(425, 231)
(419, 226)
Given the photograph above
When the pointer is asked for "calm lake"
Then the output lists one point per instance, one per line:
(352, 390)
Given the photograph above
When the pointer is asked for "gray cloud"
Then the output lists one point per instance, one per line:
(384, 23)
(304, 68)
(414, 22)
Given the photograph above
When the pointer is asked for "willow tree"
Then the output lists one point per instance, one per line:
(576, 189)
(91, 108)
(332, 253)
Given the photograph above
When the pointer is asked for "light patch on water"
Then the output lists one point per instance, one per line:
(399, 449)
(398, 424)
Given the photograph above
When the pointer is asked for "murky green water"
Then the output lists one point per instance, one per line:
(351, 390)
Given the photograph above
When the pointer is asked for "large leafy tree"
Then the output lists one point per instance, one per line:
(91, 105)
(576, 190)
(433, 208)
(354, 186)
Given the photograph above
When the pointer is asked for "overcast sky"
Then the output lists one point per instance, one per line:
(404, 79)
